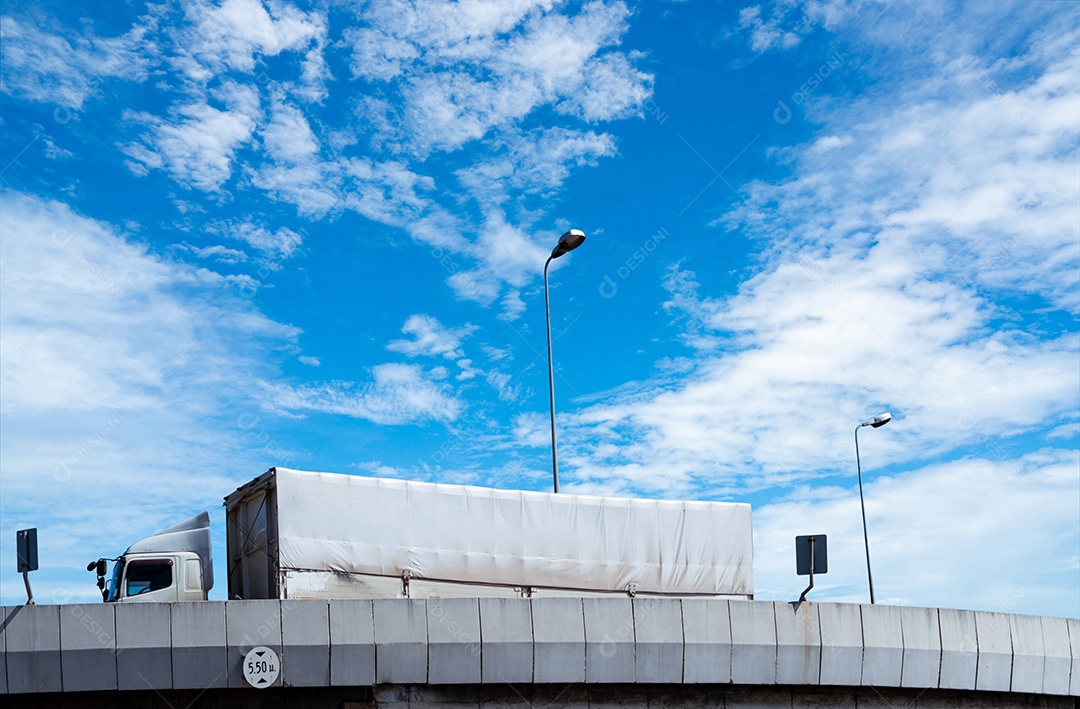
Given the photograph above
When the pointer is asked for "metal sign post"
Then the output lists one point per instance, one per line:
(26, 551)
(811, 556)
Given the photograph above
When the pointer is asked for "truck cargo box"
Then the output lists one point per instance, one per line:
(294, 534)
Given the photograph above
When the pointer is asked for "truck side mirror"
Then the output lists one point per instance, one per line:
(101, 567)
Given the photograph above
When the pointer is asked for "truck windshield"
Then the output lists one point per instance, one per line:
(146, 576)
(113, 587)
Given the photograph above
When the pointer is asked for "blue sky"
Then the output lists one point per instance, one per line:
(240, 234)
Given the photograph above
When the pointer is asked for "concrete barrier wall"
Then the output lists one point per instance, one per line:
(617, 641)
(579, 696)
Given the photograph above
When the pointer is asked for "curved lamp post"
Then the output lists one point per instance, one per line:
(567, 242)
(875, 422)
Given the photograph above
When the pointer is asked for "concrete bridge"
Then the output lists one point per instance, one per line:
(543, 651)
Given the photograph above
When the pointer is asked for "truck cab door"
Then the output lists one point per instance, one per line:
(150, 580)
(192, 584)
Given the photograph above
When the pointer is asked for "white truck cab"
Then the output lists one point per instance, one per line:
(172, 565)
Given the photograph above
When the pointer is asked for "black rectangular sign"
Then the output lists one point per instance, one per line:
(26, 548)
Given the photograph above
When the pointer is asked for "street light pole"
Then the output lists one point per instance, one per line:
(567, 242)
(875, 422)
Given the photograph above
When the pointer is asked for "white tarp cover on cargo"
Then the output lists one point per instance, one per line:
(384, 527)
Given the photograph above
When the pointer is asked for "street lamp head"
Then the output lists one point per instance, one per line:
(568, 242)
(877, 421)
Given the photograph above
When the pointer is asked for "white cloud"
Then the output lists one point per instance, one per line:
(611, 87)
(536, 162)
(88, 319)
(986, 178)
(401, 33)
(310, 361)
(273, 246)
(391, 193)
(431, 338)
(198, 144)
(504, 385)
(314, 74)
(468, 371)
(509, 253)
(829, 142)
(398, 394)
(388, 191)
(296, 173)
(48, 66)
(230, 34)
(684, 302)
(833, 346)
(512, 305)
(766, 34)
(1069, 431)
(221, 254)
(288, 137)
(467, 71)
(532, 430)
(478, 286)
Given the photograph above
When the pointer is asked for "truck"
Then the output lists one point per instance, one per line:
(292, 534)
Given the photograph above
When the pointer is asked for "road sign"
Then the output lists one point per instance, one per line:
(261, 667)
(26, 549)
(820, 557)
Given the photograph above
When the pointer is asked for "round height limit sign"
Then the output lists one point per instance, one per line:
(261, 667)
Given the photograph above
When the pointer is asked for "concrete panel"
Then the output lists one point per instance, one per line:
(400, 640)
(559, 634)
(249, 624)
(199, 657)
(658, 655)
(506, 640)
(883, 646)
(609, 640)
(1074, 642)
(453, 640)
(995, 652)
(706, 641)
(32, 645)
(1028, 654)
(352, 643)
(753, 642)
(922, 647)
(841, 643)
(798, 643)
(959, 649)
(88, 647)
(1057, 655)
(143, 646)
(305, 642)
